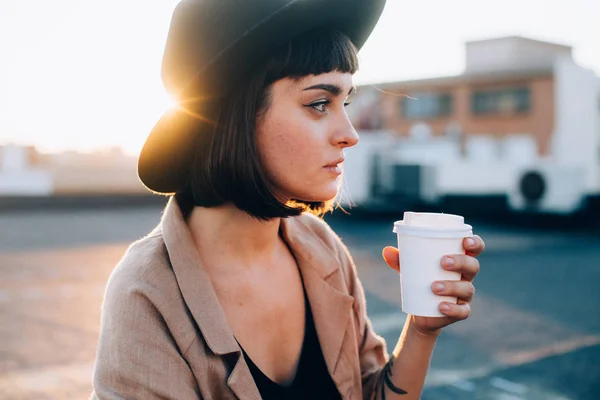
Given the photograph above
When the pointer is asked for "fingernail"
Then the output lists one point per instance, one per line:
(471, 242)
(438, 287)
(444, 307)
(448, 262)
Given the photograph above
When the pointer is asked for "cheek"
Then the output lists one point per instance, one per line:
(286, 146)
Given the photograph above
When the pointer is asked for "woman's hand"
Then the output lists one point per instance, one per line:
(464, 290)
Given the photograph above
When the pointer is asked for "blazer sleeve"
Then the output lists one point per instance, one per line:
(137, 357)
(371, 347)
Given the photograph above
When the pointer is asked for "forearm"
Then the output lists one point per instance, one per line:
(408, 366)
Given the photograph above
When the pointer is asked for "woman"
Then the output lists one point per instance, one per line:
(241, 291)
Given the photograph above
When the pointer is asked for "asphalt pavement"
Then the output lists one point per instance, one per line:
(534, 332)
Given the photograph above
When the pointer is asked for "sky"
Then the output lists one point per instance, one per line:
(84, 75)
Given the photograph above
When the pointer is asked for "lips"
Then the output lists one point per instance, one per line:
(334, 167)
(335, 163)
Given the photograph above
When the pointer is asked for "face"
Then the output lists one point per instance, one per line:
(302, 136)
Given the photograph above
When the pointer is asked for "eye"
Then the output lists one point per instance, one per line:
(320, 106)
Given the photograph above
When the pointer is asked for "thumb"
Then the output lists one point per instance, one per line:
(392, 257)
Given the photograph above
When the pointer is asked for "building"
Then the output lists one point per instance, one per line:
(520, 107)
(26, 172)
(507, 88)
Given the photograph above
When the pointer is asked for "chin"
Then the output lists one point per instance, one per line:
(317, 196)
(313, 192)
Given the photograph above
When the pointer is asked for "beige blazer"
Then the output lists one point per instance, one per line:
(164, 334)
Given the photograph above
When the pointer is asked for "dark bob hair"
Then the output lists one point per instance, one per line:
(226, 166)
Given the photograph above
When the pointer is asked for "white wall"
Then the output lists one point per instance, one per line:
(18, 178)
(26, 183)
(511, 53)
(482, 148)
(475, 178)
(434, 151)
(576, 139)
(356, 186)
(519, 149)
(13, 158)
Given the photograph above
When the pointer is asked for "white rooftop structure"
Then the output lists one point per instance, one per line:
(512, 53)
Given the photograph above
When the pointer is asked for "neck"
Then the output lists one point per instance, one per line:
(227, 235)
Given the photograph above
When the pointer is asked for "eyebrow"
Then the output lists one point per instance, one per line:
(333, 89)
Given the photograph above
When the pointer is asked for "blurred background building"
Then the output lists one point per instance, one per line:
(26, 172)
(522, 123)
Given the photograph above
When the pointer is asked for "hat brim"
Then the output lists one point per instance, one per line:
(167, 154)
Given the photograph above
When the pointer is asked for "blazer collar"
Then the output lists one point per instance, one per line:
(194, 282)
(323, 280)
(201, 299)
(325, 286)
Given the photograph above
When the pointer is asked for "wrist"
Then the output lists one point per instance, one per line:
(422, 333)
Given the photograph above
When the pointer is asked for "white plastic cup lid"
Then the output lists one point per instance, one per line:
(434, 225)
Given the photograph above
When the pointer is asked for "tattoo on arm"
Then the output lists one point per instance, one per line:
(387, 373)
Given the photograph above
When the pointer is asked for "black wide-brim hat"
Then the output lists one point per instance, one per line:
(211, 45)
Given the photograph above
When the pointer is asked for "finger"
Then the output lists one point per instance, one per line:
(473, 245)
(467, 265)
(392, 257)
(455, 311)
(461, 289)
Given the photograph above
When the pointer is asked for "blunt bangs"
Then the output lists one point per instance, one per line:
(316, 52)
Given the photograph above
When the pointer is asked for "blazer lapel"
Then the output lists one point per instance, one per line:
(195, 283)
(326, 291)
(241, 382)
(201, 299)
(331, 311)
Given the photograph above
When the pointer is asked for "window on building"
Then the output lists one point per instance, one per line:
(426, 105)
(499, 101)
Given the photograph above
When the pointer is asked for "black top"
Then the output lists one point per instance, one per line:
(312, 380)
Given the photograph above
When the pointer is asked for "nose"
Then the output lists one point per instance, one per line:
(344, 134)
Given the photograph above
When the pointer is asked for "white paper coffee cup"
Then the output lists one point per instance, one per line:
(423, 239)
